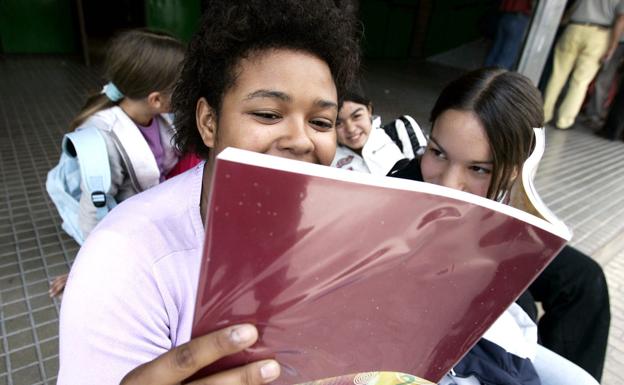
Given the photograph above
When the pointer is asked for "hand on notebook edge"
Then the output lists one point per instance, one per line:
(181, 362)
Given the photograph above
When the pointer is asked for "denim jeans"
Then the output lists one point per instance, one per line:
(556, 370)
(508, 41)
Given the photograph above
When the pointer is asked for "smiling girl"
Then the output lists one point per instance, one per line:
(365, 146)
(258, 75)
(482, 132)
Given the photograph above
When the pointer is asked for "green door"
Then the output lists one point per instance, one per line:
(37, 26)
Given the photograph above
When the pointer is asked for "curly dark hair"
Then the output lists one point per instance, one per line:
(232, 29)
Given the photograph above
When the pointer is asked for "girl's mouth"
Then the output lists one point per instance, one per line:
(355, 137)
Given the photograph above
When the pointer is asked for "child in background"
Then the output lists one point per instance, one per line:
(365, 146)
(141, 67)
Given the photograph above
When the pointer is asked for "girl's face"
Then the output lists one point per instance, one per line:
(283, 103)
(354, 125)
(458, 153)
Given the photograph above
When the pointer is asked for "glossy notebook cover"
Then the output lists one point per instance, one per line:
(346, 272)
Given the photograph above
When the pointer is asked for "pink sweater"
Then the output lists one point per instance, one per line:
(131, 291)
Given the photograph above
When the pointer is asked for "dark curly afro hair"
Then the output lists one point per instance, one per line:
(232, 29)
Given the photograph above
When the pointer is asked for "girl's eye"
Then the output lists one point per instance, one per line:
(324, 124)
(480, 170)
(437, 153)
(338, 124)
(266, 116)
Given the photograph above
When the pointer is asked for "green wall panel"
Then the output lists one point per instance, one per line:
(179, 18)
(37, 26)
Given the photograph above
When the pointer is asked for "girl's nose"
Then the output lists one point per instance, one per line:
(452, 177)
(296, 138)
(349, 127)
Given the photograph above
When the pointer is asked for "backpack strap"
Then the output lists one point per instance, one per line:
(391, 131)
(135, 152)
(407, 135)
(89, 147)
(417, 138)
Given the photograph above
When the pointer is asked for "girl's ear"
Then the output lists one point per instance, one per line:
(514, 175)
(156, 100)
(206, 120)
(370, 109)
(512, 187)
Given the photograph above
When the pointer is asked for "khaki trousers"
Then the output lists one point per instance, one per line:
(578, 51)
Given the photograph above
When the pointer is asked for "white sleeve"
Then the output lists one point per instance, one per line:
(515, 332)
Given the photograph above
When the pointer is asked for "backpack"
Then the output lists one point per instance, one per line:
(84, 158)
(407, 135)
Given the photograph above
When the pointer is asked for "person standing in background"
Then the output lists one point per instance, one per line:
(590, 38)
(596, 110)
(512, 28)
(613, 128)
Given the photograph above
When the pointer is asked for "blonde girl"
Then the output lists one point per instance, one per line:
(141, 68)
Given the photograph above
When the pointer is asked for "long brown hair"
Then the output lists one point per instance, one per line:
(137, 62)
(508, 106)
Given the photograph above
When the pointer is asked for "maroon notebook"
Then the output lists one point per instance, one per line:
(345, 272)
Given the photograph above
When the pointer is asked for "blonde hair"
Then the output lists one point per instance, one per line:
(138, 62)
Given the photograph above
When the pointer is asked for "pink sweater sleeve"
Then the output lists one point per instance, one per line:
(112, 315)
(130, 296)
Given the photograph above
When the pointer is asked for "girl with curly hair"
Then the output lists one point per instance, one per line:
(260, 75)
